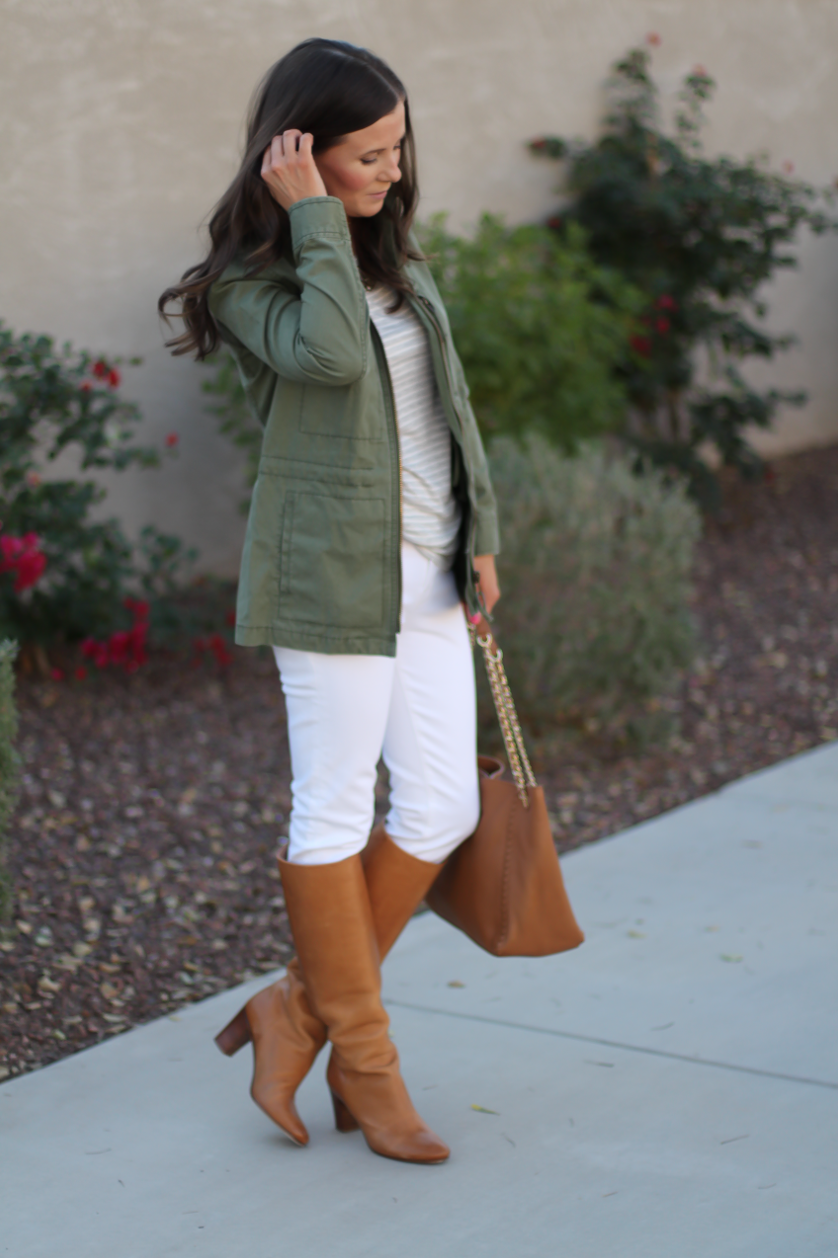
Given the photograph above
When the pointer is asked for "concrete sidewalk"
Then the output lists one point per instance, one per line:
(670, 1090)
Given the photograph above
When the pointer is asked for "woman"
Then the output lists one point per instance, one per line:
(371, 535)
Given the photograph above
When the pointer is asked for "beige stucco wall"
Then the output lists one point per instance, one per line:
(120, 122)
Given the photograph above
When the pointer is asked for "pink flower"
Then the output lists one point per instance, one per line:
(172, 439)
(538, 144)
(114, 378)
(100, 369)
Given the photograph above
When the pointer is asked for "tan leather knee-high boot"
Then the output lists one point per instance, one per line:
(331, 918)
(286, 1035)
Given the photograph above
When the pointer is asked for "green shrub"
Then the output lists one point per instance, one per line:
(539, 326)
(53, 401)
(595, 574)
(699, 237)
(9, 765)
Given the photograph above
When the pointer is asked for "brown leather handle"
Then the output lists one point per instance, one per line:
(490, 766)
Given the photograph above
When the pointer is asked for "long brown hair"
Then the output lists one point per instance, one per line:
(329, 88)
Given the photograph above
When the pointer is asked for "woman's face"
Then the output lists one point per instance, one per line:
(360, 170)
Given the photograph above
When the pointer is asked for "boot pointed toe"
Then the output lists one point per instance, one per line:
(422, 1147)
(281, 1110)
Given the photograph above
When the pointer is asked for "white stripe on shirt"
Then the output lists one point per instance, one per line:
(430, 512)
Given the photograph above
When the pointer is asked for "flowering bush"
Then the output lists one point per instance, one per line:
(125, 647)
(698, 237)
(64, 576)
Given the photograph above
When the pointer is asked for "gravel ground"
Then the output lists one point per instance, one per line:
(142, 853)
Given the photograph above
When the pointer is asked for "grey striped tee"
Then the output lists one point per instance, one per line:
(430, 512)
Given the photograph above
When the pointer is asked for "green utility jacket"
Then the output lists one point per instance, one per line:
(321, 566)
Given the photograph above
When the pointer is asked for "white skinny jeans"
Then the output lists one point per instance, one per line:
(418, 710)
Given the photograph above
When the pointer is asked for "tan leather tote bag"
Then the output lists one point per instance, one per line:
(503, 886)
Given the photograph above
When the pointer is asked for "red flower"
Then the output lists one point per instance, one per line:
(85, 386)
(30, 569)
(114, 378)
(126, 647)
(57, 674)
(653, 39)
(138, 608)
(11, 548)
(662, 325)
(219, 649)
(641, 345)
(100, 369)
(22, 556)
(539, 144)
(81, 673)
(665, 302)
(118, 646)
(139, 655)
(172, 439)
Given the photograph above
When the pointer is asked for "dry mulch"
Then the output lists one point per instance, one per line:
(142, 854)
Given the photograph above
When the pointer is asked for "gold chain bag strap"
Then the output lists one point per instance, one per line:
(503, 886)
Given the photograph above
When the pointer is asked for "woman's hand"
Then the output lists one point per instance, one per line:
(289, 169)
(487, 588)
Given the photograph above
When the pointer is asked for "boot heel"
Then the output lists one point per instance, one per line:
(343, 1119)
(235, 1034)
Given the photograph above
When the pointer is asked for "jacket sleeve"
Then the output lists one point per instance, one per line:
(317, 334)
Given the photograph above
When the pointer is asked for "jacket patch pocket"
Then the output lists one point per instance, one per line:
(332, 564)
(354, 413)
